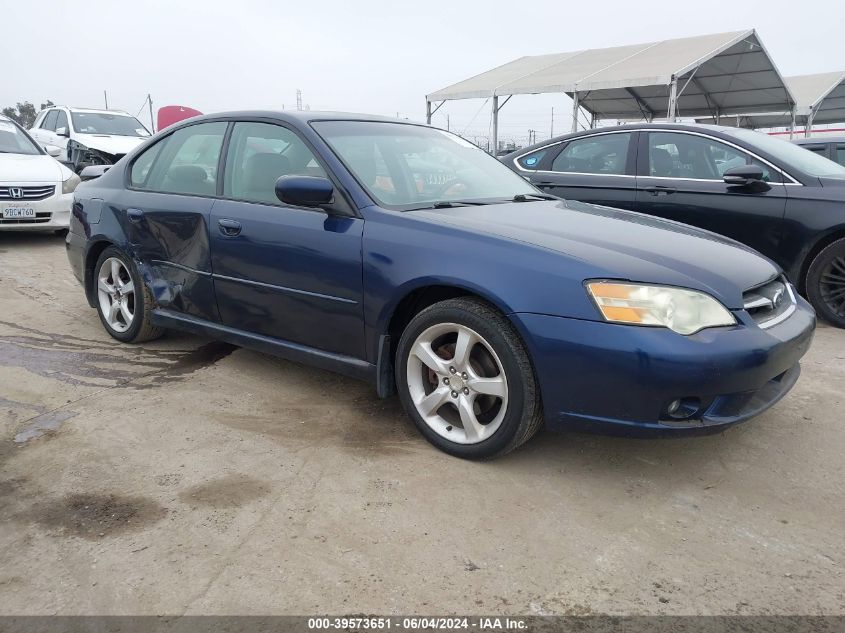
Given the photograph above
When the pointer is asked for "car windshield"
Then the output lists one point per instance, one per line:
(107, 123)
(405, 166)
(791, 155)
(13, 140)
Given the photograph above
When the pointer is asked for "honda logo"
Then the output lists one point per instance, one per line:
(15, 192)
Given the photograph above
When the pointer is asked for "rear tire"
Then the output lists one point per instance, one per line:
(124, 303)
(465, 379)
(826, 283)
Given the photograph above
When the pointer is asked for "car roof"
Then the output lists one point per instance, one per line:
(304, 116)
(814, 140)
(92, 110)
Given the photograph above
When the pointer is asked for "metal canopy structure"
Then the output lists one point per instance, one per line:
(820, 98)
(708, 75)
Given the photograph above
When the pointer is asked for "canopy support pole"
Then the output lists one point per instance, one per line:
(671, 116)
(648, 115)
(428, 112)
(575, 106)
(792, 124)
(495, 143)
(808, 127)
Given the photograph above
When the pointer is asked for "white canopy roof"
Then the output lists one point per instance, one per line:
(822, 95)
(728, 72)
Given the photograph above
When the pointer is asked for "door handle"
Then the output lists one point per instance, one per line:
(660, 191)
(229, 228)
(135, 215)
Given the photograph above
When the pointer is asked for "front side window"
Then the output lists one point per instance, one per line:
(259, 153)
(61, 122)
(184, 162)
(405, 166)
(675, 155)
(13, 140)
(49, 122)
(107, 123)
(603, 154)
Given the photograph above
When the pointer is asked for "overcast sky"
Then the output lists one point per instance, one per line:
(365, 56)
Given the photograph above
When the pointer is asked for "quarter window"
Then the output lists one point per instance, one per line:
(185, 162)
(532, 160)
(49, 122)
(259, 153)
(674, 155)
(603, 154)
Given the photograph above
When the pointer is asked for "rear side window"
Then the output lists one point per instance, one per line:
(185, 162)
(817, 149)
(603, 154)
(840, 154)
(532, 160)
(49, 122)
(259, 153)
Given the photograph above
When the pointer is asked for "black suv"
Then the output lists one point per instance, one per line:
(774, 196)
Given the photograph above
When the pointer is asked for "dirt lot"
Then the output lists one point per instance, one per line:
(187, 476)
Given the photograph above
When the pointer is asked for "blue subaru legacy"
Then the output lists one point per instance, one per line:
(403, 255)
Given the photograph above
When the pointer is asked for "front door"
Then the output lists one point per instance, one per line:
(598, 168)
(290, 273)
(680, 178)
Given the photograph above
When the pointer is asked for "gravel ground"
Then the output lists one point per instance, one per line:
(190, 477)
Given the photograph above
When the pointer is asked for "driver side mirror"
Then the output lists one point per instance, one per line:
(62, 131)
(744, 175)
(304, 191)
(53, 151)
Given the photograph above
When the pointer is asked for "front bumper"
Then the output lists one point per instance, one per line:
(606, 377)
(52, 214)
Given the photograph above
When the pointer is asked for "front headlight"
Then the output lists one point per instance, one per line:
(69, 185)
(682, 311)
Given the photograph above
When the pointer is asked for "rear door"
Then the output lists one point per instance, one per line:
(597, 168)
(680, 178)
(166, 209)
(291, 273)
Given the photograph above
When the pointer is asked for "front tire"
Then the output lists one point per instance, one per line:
(124, 303)
(826, 283)
(465, 379)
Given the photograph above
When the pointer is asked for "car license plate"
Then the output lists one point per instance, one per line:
(13, 213)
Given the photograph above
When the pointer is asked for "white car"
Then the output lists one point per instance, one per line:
(36, 191)
(88, 137)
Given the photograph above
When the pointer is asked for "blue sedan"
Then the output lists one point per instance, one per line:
(402, 255)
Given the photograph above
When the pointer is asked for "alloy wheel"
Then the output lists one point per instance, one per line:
(832, 285)
(457, 383)
(116, 294)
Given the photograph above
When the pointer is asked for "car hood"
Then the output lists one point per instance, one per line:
(622, 244)
(20, 168)
(110, 144)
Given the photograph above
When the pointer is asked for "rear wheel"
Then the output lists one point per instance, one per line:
(826, 283)
(464, 377)
(123, 300)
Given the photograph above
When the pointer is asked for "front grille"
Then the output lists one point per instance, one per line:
(770, 303)
(40, 217)
(27, 193)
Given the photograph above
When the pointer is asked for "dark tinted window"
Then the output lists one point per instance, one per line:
(603, 154)
(676, 155)
(818, 149)
(185, 163)
(532, 160)
(258, 154)
(49, 122)
(61, 121)
(840, 154)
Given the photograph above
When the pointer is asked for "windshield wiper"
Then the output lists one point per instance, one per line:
(449, 204)
(532, 197)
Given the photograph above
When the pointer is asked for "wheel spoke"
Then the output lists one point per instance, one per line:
(833, 277)
(128, 287)
(115, 271)
(114, 310)
(494, 386)
(433, 401)
(472, 427)
(463, 346)
(124, 310)
(104, 286)
(423, 351)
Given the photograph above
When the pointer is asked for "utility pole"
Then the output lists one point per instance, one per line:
(298, 99)
(448, 124)
(106, 99)
(152, 121)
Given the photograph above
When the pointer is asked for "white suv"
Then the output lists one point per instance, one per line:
(36, 192)
(88, 137)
